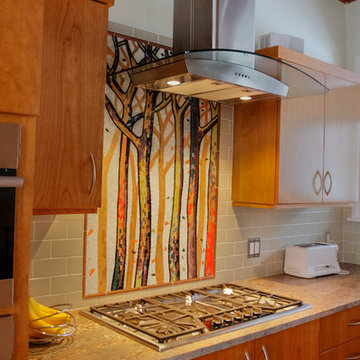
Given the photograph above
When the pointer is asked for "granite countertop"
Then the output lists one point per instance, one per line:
(327, 295)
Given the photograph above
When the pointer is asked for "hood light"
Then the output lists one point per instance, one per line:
(173, 82)
(245, 98)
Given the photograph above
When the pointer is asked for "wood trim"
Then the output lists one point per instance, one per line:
(291, 206)
(63, 211)
(23, 216)
(285, 54)
(347, 1)
(109, 3)
(7, 311)
(253, 205)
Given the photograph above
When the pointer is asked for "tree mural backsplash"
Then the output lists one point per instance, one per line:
(157, 221)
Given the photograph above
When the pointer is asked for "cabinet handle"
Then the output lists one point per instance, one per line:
(354, 357)
(327, 192)
(317, 192)
(354, 323)
(265, 352)
(247, 355)
(93, 181)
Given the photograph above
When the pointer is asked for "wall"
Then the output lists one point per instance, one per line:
(352, 33)
(154, 16)
(56, 265)
(321, 23)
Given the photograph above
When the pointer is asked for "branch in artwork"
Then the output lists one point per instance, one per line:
(119, 123)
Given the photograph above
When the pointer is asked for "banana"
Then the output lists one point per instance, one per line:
(41, 325)
(52, 316)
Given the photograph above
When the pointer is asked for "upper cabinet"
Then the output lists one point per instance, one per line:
(20, 54)
(302, 150)
(69, 130)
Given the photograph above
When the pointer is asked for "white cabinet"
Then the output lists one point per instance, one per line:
(299, 151)
(341, 145)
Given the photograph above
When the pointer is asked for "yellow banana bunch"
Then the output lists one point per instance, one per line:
(45, 319)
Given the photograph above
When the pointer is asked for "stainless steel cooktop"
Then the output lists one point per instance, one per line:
(171, 320)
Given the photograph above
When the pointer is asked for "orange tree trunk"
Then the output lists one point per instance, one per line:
(212, 196)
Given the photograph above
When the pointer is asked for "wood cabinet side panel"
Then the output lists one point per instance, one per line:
(21, 30)
(256, 127)
(23, 216)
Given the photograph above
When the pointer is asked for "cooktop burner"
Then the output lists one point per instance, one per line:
(171, 320)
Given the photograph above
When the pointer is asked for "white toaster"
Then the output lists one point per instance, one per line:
(311, 259)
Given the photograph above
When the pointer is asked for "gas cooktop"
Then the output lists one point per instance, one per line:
(171, 320)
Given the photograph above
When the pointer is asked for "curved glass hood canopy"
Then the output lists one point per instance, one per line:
(225, 75)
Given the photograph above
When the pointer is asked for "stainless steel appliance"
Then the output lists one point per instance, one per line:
(171, 320)
(10, 135)
(214, 57)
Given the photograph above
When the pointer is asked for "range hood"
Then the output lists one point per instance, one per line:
(215, 60)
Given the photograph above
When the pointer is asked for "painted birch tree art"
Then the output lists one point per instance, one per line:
(157, 221)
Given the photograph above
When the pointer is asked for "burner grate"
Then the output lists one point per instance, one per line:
(166, 321)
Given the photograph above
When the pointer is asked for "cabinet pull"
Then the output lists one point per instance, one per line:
(354, 323)
(265, 352)
(354, 357)
(93, 181)
(317, 192)
(327, 192)
(247, 355)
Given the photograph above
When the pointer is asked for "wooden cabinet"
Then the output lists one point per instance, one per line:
(340, 328)
(69, 130)
(239, 352)
(21, 29)
(347, 351)
(301, 150)
(298, 343)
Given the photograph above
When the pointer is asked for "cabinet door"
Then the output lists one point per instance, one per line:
(70, 125)
(301, 150)
(347, 351)
(298, 343)
(339, 328)
(239, 352)
(341, 157)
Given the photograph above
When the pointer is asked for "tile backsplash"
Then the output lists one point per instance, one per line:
(351, 239)
(57, 241)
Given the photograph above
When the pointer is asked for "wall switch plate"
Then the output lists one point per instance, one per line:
(253, 247)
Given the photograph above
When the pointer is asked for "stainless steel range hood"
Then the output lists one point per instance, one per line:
(214, 58)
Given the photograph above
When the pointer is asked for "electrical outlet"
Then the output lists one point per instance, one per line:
(328, 236)
(253, 247)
